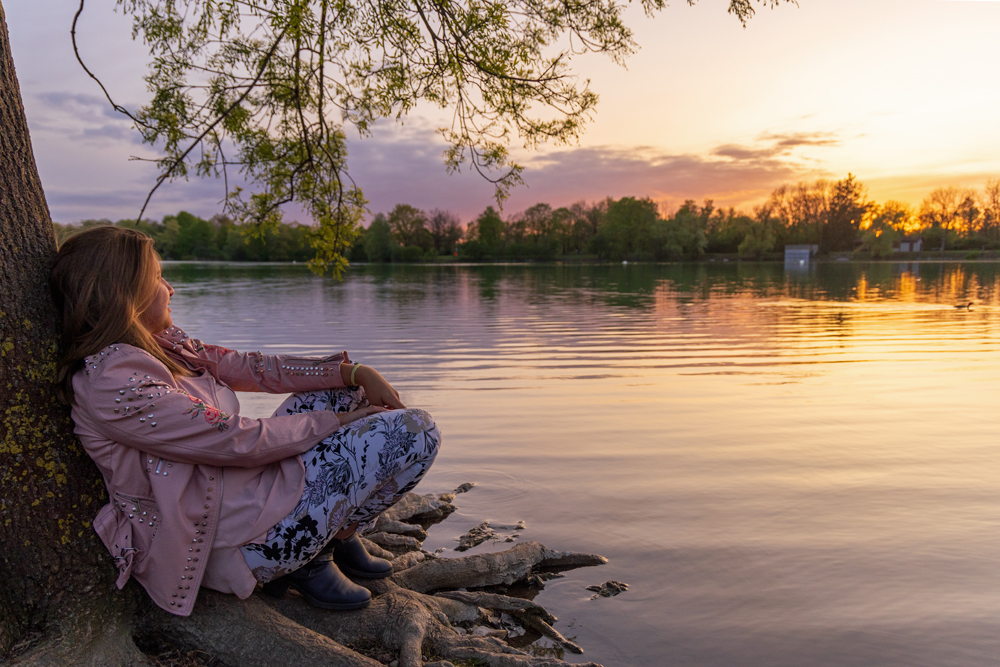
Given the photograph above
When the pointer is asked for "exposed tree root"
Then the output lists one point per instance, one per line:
(414, 623)
(10, 629)
(249, 633)
(418, 508)
(397, 544)
(451, 624)
(533, 621)
(498, 603)
(528, 613)
(398, 620)
(87, 637)
(376, 550)
(400, 528)
(407, 560)
(479, 570)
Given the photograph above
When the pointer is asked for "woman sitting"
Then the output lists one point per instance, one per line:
(199, 495)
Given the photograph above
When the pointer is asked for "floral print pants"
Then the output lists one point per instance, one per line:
(351, 477)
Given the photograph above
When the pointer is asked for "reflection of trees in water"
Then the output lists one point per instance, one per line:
(698, 315)
(201, 280)
(928, 282)
(193, 272)
(643, 286)
(632, 286)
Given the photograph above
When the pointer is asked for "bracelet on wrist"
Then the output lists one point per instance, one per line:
(353, 371)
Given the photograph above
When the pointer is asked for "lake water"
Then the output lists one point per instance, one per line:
(787, 468)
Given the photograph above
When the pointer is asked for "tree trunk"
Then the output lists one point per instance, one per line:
(50, 491)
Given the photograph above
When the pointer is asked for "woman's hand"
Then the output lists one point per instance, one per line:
(377, 390)
(348, 417)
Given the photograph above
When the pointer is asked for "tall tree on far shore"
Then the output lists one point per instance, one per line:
(991, 210)
(939, 211)
(968, 213)
(802, 210)
(759, 238)
(445, 229)
(629, 227)
(378, 240)
(408, 225)
(847, 209)
(895, 215)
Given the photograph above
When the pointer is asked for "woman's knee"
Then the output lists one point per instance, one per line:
(422, 425)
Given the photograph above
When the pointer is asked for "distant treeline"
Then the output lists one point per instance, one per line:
(835, 216)
(186, 236)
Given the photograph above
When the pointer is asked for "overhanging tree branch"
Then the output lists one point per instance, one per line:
(76, 51)
(504, 66)
(180, 159)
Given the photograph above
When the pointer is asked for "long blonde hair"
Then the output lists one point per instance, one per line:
(104, 278)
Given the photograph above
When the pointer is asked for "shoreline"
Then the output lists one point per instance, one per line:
(922, 258)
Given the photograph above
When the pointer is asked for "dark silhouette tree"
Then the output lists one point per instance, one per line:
(759, 237)
(490, 229)
(378, 240)
(801, 210)
(409, 226)
(846, 211)
(629, 227)
(939, 212)
(445, 229)
(991, 210)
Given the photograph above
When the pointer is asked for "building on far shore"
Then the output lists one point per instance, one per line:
(910, 244)
(798, 255)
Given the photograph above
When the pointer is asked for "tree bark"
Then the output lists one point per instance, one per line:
(51, 559)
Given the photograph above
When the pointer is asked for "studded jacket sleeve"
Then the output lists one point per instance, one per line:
(131, 398)
(253, 371)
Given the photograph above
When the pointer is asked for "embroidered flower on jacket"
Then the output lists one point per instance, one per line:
(213, 415)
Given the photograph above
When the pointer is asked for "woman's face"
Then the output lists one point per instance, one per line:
(156, 318)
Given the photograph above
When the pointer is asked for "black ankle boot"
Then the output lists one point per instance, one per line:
(323, 585)
(351, 557)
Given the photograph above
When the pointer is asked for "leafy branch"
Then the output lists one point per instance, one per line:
(272, 83)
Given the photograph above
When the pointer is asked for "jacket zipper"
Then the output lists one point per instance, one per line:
(135, 501)
(159, 464)
(327, 359)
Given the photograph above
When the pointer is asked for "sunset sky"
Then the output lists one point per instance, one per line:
(905, 94)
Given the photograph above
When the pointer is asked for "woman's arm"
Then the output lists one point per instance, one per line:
(253, 371)
(131, 398)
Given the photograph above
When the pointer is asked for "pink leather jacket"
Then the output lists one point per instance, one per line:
(188, 483)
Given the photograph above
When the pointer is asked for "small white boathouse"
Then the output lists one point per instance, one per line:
(798, 255)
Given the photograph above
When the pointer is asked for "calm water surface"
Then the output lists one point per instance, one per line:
(786, 468)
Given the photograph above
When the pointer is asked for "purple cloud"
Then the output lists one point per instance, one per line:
(404, 164)
(776, 144)
(407, 168)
